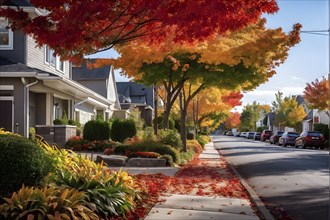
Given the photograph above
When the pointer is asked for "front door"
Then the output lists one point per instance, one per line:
(7, 113)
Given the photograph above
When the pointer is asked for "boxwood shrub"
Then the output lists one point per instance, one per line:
(22, 161)
(96, 130)
(122, 129)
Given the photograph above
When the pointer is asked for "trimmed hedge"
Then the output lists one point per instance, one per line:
(22, 161)
(96, 130)
(148, 147)
(122, 129)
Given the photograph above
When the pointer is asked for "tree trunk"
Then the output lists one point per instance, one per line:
(183, 132)
(156, 112)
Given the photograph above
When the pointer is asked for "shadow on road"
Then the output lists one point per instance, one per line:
(301, 199)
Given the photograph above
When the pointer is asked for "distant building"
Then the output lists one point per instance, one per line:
(134, 95)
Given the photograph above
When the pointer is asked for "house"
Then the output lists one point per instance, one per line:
(314, 117)
(102, 81)
(36, 87)
(134, 95)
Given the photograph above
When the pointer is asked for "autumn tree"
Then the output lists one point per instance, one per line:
(253, 47)
(250, 115)
(214, 105)
(287, 112)
(233, 120)
(74, 28)
(317, 95)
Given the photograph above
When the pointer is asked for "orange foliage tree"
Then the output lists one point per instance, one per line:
(211, 106)
(74, 28)
(233, 120)
(317, 95)
(254, 47)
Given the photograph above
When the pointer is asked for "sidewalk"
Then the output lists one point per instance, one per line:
(175, 206)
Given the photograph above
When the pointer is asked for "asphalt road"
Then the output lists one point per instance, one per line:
(296, 180)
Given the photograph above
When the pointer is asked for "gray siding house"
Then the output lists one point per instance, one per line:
(134, 95)
(36, 87)
(102, 81)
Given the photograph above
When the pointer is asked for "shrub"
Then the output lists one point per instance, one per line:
(160, 121)
(22, 161)
(148, 146)
(47, 203)
(168, 158)
(57, 122)
(323, 128)
(170, 137)
(32, 134)
(194, 146)
(74, 142)
(122, 129)
(203, 139)
(186, 156)
(101, 146)
(96, 130)
(111, 193)
(144, 154)
(190, 136)
(148, 134)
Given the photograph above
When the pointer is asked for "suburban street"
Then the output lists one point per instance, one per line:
(296, 180)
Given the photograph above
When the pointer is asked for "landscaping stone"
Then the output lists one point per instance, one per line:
(146, 162)
(112, 160)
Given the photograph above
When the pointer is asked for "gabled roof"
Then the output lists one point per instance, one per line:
(11, 66)
(300, 99)
(138, 93)
(84, 73)
(309, 115)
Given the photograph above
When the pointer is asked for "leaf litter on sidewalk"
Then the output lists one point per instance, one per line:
(211, 177)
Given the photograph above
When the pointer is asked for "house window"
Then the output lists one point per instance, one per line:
(52, 60)
(6, 35)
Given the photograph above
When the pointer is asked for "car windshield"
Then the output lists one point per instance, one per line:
(280, 133)
(268, 132)
(314, 134)
(293, 134)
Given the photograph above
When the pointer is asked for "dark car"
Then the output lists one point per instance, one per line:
(257, 136)
(310, 139)
(288, 138)
(250, 135)
(265, 135)
(274, 138)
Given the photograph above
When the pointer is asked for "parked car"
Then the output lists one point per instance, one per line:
(310, 139)
(238, 134)
(243, 134)
(265, 135)
(274, 138)
(257, 136)
(230, 133)
(288, 138)
(250, 135)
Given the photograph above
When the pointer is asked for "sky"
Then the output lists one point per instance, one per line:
(307, 61)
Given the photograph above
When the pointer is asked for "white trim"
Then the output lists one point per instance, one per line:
(17, 74)
(6, 87)
(10, 44)
(6, 98)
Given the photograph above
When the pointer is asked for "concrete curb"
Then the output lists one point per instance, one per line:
(251, 193)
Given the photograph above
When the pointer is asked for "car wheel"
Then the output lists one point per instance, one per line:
(303, 145)
(284, 144)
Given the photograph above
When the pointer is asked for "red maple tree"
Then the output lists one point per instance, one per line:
(317, 95)
(74, 28)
